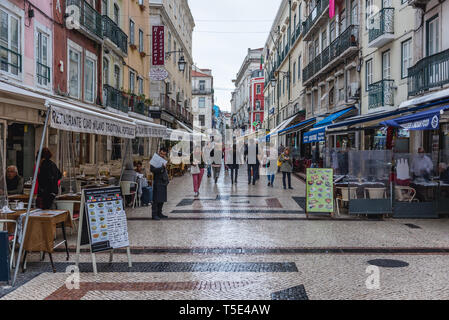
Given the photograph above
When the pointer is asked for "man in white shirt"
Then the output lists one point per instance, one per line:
(422, 165)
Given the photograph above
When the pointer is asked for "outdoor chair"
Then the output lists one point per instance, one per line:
(375, 193)
(345, 196)
(12, 240)
(70, 207)
(126, 187)
(405, 194)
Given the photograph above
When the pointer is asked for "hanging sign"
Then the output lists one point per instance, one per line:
(320, 191)
(158, 53)
(76, 121)
(158, 74)
(315, 136)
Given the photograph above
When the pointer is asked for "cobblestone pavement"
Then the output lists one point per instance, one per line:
(253, 242)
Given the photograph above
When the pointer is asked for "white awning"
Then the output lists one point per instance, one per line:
(68, 117)
(426, 99)
(177, 135)
(282, 126)
(149, 130)
(21, 97)
(183, 126)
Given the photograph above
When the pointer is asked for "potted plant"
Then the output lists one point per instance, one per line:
(143, 54)
(133, 46)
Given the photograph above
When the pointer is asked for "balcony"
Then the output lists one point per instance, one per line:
(316, 16)
(112, 32)
(345, 44)
(90, 19)
(202, 92)
(381, 28)
(381, 94)
(138, 105)
(420, 4)
(10, 61)
(115, 99)
(430, 72)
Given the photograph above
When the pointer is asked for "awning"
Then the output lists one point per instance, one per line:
(177, 135)
(439, 95)
(68, 117)
(183, 126)
(281, 127)
(298, 126)
(149, 130)
(21, 97)
(330, 119)
(317, 135)
(426, 120)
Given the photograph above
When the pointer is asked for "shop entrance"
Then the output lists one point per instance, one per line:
(20, 148)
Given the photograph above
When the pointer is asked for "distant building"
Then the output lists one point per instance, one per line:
(202, 98)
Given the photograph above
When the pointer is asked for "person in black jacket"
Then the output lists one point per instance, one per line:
(160, 183)
(252, 160)
(235, 165)
(48, 179)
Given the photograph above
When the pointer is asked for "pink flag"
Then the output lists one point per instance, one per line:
(331, 8)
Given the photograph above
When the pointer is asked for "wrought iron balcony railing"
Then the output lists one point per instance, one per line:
(115, 99)
(42, 73)
(197, 91)
(112, 31)
(430, 72)
(90, 19)
(10, 61)
(381, 24)
(314, 15)
(349, 38)
(381, 94)
(138, 105)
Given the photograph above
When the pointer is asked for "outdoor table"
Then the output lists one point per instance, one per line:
(20, 197)
(41, 231)
(425, 190)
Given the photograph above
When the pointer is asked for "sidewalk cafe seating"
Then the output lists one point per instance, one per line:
(344, 196)
(405, 194)
(126, 187)
(375, 193)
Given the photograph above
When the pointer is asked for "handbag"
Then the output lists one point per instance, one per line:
(195, 170)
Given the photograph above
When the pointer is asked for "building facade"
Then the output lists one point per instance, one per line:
(241, 103)
(172, 97)
(202, 98)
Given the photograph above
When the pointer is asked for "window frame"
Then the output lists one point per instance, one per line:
(38, 28)
(410, 58)
(72, 46)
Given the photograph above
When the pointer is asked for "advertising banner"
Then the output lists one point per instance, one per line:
(158, 49)
(320, 191)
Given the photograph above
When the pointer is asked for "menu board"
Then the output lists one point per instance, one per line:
(106, 219)
(320, 190)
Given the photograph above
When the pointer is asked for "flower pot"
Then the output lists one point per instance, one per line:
(143, 54)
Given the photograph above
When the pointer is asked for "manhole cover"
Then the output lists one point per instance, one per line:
(386, 263)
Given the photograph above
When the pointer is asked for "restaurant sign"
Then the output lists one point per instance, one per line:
(158, 49)
(320, 191)
(144, 131)
(78, 121)
(432, 123)
(315, 136)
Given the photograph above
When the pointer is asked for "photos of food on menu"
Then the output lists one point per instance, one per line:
(320, 193)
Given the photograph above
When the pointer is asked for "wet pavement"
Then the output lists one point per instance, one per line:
(253, 242)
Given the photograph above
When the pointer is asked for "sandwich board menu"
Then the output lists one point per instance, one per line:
(320, 191)
(105, 220)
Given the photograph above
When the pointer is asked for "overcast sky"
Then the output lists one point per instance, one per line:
(223, 33)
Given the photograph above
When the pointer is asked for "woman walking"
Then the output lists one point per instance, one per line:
(286, 168)
(197, 169)
(234, 166)
(270, 168)
(48, 179)
(216, 167)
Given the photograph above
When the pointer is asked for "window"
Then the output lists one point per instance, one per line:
(354, 12)
(342, 21)
(324, 40)
(202, 102)
(257, 104)
(386, 65)
(42, 59)
(105, 71)
(202, 120)
(369, 73)
(432, 36)
(294, 72)
(10, 51)
(258, 89)
(131, 32)
(369, 13)
(407, 59)
(89, 80)
(132, 78)
(202, 85)
(74, 73)
(140, 85)
(117, 77)
(141, 49)
(116, 14)
(104, 7)
(332, 31)
(257, 117)
(299, 68)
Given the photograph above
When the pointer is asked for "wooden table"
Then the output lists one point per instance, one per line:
(41, 231)
(20, 197)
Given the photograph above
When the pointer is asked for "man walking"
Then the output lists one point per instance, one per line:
(160, 183)
(252, 161)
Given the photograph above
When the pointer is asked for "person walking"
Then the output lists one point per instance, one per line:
(286, 168)
(270, 168)
(216, 166)
(234, 167)
(197, 169)
(160, 183)
(252, 160)
(48, 179)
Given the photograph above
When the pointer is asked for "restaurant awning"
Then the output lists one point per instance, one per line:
(146, 129)
(439, 95)
(297, 127)
(183, 126)
(317, 135)
(280, 127)
(426, 120)
(330, 119)
(21, 97)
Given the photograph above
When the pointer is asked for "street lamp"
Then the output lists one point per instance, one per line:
(274, 81)
(181, 63)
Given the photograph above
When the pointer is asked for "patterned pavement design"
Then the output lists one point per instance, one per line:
(244, 242)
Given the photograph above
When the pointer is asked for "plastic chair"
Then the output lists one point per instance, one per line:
(375, 193)
(12, 240)
(126, 190)
(405, 194)
(345, 196)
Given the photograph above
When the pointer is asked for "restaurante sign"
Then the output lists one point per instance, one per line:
(76, 121)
